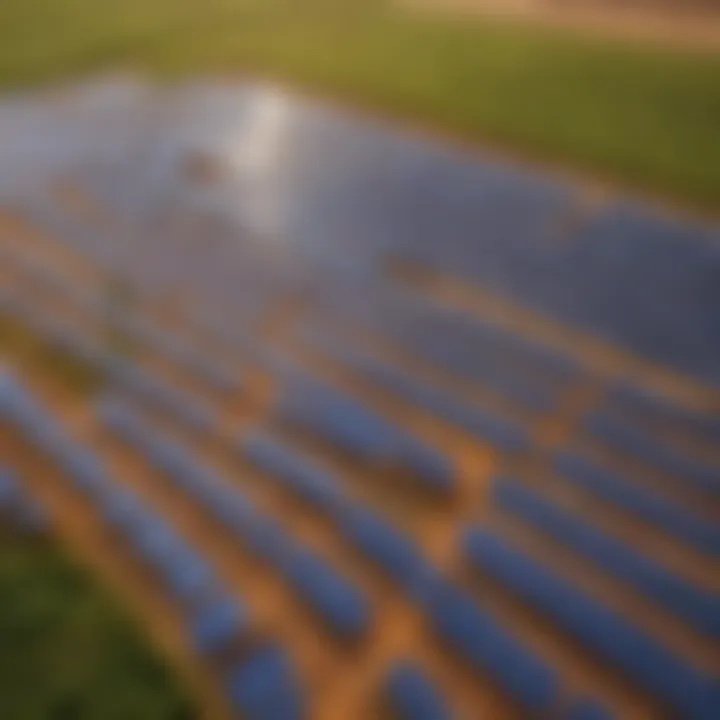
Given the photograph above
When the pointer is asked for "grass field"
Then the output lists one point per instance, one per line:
(644, 117)
(68, 651)
(31, 353)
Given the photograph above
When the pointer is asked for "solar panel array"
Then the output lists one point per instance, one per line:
(362, 496)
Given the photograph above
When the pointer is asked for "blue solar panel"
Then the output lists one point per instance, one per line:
(188, 577)
(8, 488)
(636, 280)
(632, 439)
(701, 534)
(360, 431)
(652, 410)
(490, 649)
(265, 687)
(120, 508)
(294, 471)
(265, 538)
(185, 355)
(168, 457)
(470, 349)
(413, 696)
(216, 624)
(156, 543)
(699, 608)
(639, 655)
(338, 602)
(85, 471)
(151, 389)
(387, 547)
(235, 511)
(486, 426)
(587, 710)
(622, 275)
(381, 543)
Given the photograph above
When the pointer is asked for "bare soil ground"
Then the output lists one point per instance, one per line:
(683, 24)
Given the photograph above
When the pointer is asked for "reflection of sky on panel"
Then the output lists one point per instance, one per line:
(290, 168)
(245, 133)
(44, 135)
(258, 157)
(306, 182)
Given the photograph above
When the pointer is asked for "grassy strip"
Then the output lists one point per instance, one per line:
(647, 117)
(36, 355)
(68, 651)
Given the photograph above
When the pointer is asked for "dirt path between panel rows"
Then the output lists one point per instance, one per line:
(89, 542)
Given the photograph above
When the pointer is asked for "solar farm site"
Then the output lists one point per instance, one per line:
(354, 424)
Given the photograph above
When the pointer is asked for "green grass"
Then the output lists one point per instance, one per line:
(646, 117)
(67, 652)
(34, 354)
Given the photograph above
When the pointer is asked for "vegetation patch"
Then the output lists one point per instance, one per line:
(35, 354)
(645, 116)
(67, 652)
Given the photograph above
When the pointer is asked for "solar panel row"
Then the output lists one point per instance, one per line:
(263, 681)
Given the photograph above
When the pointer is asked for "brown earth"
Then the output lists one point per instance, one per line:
(687, 24)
